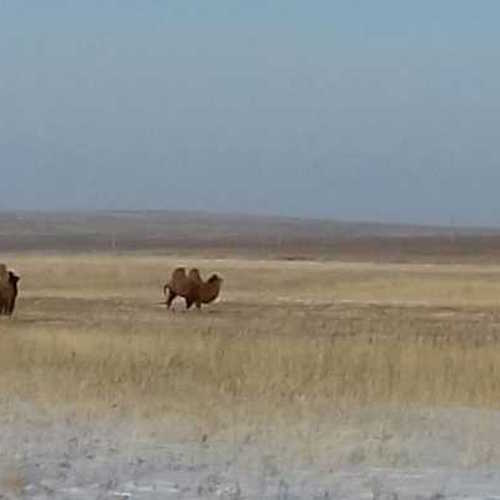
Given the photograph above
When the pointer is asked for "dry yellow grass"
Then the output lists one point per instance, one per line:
(287, 337)
(12, 481)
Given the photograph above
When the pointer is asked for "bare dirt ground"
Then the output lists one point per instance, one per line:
(307, 379)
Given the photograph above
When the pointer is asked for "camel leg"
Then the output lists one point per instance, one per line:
(171, 297)
(189, 303)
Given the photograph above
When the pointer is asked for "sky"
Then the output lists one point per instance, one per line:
(355, 110)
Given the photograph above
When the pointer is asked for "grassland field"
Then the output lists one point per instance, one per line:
(374, 362)
(92, 330)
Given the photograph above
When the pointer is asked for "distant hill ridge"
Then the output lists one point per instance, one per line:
(289, 237)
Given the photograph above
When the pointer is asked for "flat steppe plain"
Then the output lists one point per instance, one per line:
(343, 360)
(306, 379)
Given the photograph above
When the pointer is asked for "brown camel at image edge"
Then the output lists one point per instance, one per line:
(8, 290)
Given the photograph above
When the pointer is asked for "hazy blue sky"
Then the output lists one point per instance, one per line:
(381, 110)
